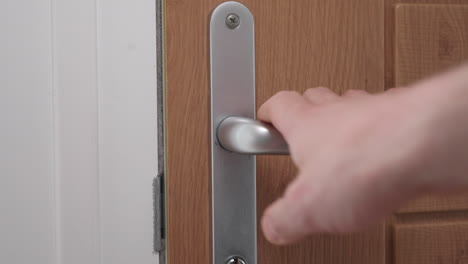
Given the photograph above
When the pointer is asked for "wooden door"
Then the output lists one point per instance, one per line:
(342, 44)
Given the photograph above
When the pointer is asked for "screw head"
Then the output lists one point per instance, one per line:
(232, 21)
(235, 260)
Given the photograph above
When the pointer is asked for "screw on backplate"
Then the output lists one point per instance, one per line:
(235, 260)
(232, 21)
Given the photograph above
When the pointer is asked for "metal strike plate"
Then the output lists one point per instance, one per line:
(232, 59)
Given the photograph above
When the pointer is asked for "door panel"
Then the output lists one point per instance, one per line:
(432, 243)
(303, 44)
(432, 203)
(429, 36)
(299, 44)
(341, 44)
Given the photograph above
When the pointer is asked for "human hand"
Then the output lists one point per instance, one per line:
(360, 156)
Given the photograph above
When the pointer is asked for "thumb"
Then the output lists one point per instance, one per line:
(289, 218)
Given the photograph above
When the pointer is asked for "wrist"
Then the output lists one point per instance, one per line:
(440, 111)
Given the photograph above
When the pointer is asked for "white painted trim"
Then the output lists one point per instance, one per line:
(78, 101)
(127, 128)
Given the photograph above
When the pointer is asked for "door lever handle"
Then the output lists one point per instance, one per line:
(248, 136)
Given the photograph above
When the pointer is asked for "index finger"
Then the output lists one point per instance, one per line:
(283, 109)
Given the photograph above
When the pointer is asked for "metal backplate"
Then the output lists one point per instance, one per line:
(232, 93)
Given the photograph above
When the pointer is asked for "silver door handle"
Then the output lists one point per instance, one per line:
(248, 136)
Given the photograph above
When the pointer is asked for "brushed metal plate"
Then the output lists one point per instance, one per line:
(232, 59)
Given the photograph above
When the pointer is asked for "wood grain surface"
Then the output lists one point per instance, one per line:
(302, 44)
(390, 29)
(299, 44)
(429, 39)
(424, 37)
(437, 203)
(432, 243)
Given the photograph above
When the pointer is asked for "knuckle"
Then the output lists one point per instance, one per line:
(282, 94)
(282, 97)
(319, 89)
(302, 195)
(288, 102)
(395, 90)
(354, 92)
(298, 193)
(322, 88)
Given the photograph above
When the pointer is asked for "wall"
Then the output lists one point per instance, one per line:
(78, 145)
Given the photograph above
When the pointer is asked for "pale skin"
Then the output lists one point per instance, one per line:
(360, 156)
